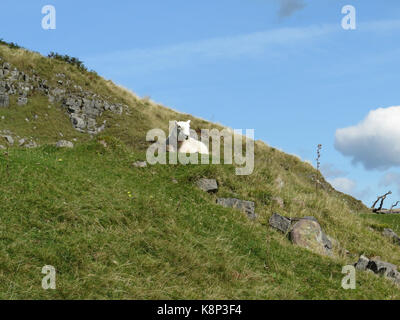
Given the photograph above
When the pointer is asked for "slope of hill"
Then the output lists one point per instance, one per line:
(113, 230)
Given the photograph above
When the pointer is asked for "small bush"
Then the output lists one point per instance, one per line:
(11, 45)
(66, 58)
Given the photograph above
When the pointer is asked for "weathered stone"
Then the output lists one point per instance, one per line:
(381, 267)
(207, 185)
(83, 106)
(392, 235)
(327, 241)
(247, 207)
(21, 142)
(78, 122)
(2, 147)
(394, 275)
(118, 108)
(14, 75)
(22, 101)
(64, 144)
(4, 100)
(140, 164)
(307, 233)
(279, 222)
(362, 263)
(91, 124)
(73, 104)
(9, 139)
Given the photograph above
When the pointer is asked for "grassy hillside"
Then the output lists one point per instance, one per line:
(116, 231)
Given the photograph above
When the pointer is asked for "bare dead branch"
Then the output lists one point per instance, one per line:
(393, 206)
(382, 199)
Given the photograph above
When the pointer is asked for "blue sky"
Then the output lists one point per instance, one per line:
(283, 67)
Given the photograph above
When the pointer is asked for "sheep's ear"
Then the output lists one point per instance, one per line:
(176, 122)
(188, 121)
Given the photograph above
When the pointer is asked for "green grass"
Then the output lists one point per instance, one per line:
(382, 221)
(72, 209)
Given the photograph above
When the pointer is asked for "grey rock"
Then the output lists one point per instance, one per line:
(280, 222)
(82, 106)
(9, 139)
(247, 207)
(118, 108)
(21, 142)
(308, 233)
(327, 241)
(391, 235)
(78, 122)
(14, 75)
(207, 185)
(91, 124)
(22, 101)
(4, 100)
(64, 144)
(2, 147)
(394, 275)
(362, 263)
(381, 267)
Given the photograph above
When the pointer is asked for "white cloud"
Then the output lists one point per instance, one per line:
(343, 184)
(350, 187)
(375, 141)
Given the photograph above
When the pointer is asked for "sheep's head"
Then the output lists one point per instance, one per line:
(183, 130)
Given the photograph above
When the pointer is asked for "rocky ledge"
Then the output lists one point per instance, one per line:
(83, 107)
